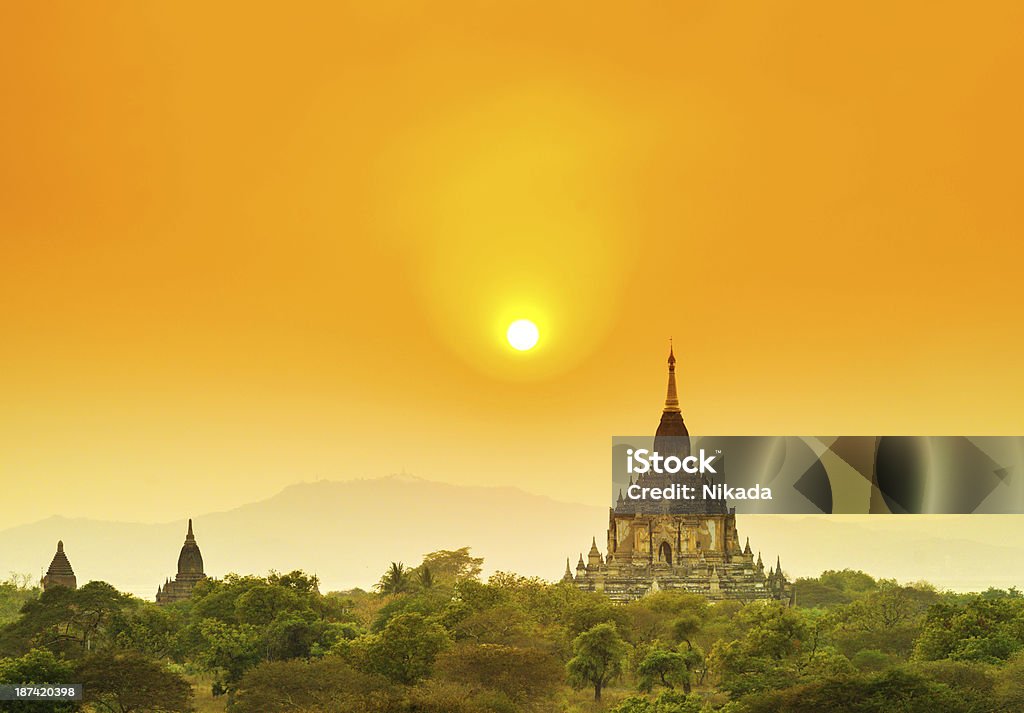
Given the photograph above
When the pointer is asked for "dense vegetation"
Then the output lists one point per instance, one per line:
(435, 638)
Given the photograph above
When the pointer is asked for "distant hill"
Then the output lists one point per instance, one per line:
(348, 531)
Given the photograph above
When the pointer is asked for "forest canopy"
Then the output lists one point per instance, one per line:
(437, 637)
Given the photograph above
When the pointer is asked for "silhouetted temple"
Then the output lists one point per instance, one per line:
(190, 572)
(60, 573)
(685, 545)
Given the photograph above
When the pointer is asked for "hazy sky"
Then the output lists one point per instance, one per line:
(243, 246)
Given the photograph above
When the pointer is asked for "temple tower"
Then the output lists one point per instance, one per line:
(686, 545)
(190, 572)
(60, 573)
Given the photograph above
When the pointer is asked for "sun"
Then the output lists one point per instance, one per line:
(522, 335)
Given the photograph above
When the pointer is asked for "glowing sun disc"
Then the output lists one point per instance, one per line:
(522, 334)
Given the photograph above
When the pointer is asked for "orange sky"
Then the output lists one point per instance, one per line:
(242, 246)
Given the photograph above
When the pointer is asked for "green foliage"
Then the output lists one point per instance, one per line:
(297, 581)
(521, 674)
(231, 625)
(449, 567)
(974, 683)
(833, 588)
(448, 697)
(262, 603)
(150, 629)
(129, 681)
(404, 651)
(887, 618)
(39, 666)
(15, 592)
(870, 660)
(427, 602)
(396, 580)
(665, 667)
(810, 592)
(764, 654)
(327, 685)
(443, 569)
(665, 616)
(450, 642)
(982, 629)
(855, 582)
(585, 610)
(65, 620)
(667, 702)
(1008, 686)
(597, 659)
(226, 649)
(894, 691)
(773, 630)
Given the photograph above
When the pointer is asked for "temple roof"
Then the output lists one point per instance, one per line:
(190, 561)
(59, 565)
(672, 438)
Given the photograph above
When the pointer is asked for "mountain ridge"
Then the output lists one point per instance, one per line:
(348, 531)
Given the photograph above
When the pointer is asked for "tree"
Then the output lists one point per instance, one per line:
(14, 594)
(887, 618)
(404, 651)
(449, 567)
(227, 650)
(667, 702)
(500, 624)
(981, 629)
(327, 685)
(130, 681)
(658, 616)
(261, 604)
(973, 682)
(665, 667)
(395, 581)
(296, 580)
(148, 628)
(811, 592)
(39, 666)
(763, 653)
(522, 674)
(432, 696)
(597, 658)
(70, 621)
(894, 690)
(1009, 684)
(852, 581)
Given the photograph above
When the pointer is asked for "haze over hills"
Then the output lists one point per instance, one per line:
(347, 532)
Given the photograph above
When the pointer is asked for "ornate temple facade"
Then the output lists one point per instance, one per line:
(685, 545)
(59, 573)
(190, 572)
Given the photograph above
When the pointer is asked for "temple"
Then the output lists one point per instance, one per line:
(685, 545)
(60, 573)
(190, 572)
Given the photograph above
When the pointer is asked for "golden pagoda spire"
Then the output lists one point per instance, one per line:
(671, 399)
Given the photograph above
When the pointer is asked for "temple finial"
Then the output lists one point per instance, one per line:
(190, 535)
(671, 399)
(60, 545)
